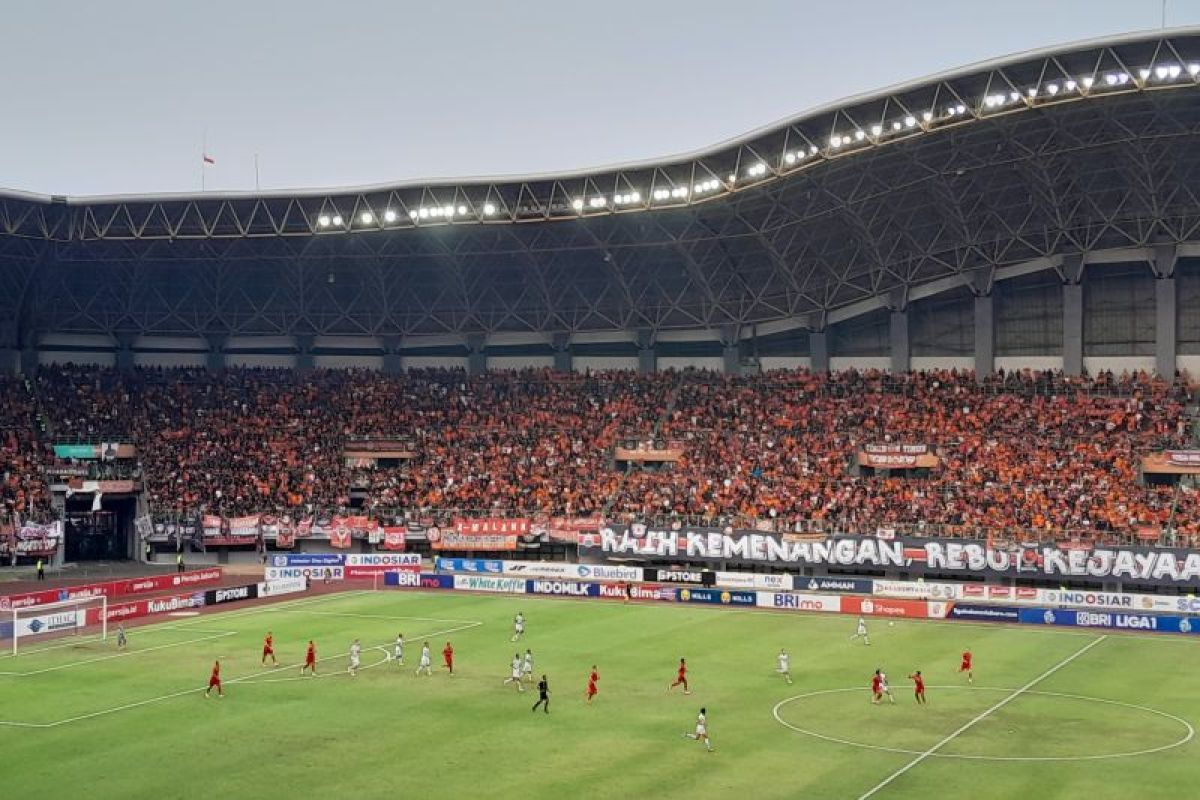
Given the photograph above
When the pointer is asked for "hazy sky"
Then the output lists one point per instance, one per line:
(116, 96)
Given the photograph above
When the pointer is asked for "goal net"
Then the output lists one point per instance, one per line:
(79, 617)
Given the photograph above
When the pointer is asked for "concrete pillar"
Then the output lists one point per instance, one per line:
(1166, 320)
(563, 358)
(28, 362)
(731, 351)
(985, 337)
(1072, 344)
(818, 350)
(304, 354)
(647, 355)
(215, 358)
(125, 350)
(476, 353)
(392, 364)
(901, 353)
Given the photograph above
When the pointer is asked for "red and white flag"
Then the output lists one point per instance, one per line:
(208, 159)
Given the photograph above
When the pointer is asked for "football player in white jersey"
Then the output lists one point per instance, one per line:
(785, 666)
(516, 672)
(862, 632)
(701, 734)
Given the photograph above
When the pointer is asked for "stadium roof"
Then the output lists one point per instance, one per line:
(940, 181)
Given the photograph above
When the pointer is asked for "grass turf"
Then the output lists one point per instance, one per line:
(137, 725)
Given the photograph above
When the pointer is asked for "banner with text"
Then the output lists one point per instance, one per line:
(946, 557)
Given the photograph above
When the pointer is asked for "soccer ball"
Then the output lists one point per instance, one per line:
(891, 624)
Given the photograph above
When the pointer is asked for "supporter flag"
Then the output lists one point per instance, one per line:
(208, 159)
(393, 538)
(339, 537)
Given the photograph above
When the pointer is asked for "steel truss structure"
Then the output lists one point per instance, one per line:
(1092, 146)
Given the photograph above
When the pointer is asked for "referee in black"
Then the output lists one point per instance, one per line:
(543, 696)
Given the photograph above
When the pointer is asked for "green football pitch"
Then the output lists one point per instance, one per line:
(1052, 713)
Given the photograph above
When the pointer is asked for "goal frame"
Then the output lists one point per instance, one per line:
(80, 604)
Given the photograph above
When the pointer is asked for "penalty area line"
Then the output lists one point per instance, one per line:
(980, 717)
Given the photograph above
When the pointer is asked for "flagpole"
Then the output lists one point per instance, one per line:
(256, 172)
(203, 159)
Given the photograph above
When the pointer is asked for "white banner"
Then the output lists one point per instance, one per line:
(917, 590)
(384, 560)
(489, 583)
(554, 569)
(753, 580)
(315, 573)
(50, 623)
(1116, 601)
(795, 601)
(272, 588)
(543, 569)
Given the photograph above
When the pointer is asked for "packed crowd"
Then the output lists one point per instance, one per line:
(1028, 450)
(1033, 451)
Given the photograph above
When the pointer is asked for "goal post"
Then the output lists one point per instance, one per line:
(64, 618)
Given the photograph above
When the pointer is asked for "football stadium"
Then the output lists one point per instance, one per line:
(852, 457)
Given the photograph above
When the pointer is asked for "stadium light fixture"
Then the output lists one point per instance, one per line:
(337, 219)
(835, 142)
(1051, 89)
(412, 213)
(598, 202)
(789, 158)
(927, 116)
(911, 121)
(448, 211)
(662, 194)
(1071, 86)
(462, 209)
(424, 213)
(812, 150)
(366, 218)
(1087, 81)
(1194, 69)
(1032, 92)
(323, 220)
(1110, 78)
(577, 204)
(389, 216)
(876, 130)
(489, 209)
(859, 135)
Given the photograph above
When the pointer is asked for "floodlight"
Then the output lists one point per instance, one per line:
(337, 219)
(323, 220)
(366, 218)
(389, 216)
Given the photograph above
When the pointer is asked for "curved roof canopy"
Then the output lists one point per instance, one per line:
(1078, 148)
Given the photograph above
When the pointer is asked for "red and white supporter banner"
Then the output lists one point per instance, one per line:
(38, 540)
(476, 534)
(485, 526)
(880, 607)
(339, 538)
(393, 537)
(111, 589)
(567, 529)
